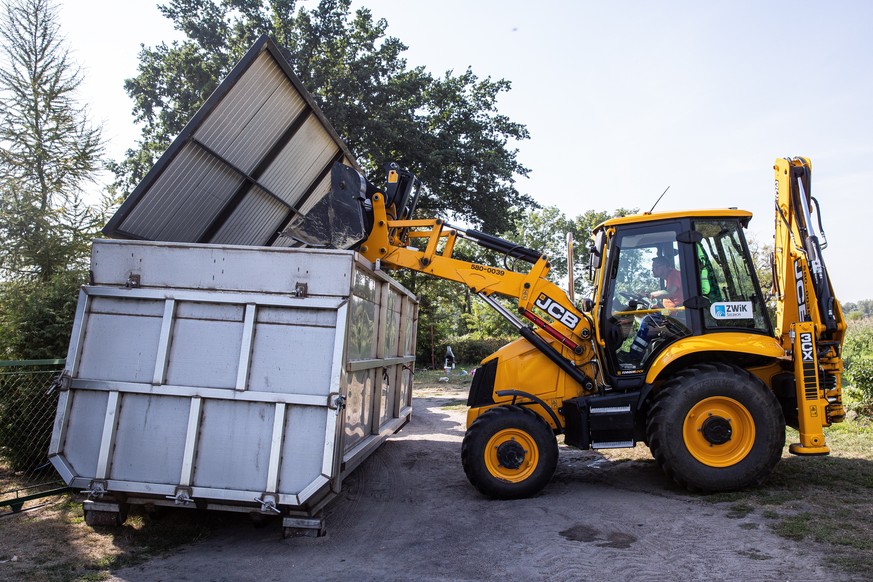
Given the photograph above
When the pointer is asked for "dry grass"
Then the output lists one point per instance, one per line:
(50, 542)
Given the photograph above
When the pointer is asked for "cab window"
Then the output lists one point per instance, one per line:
(727, 279)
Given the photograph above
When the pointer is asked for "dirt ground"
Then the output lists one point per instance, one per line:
(409, 513)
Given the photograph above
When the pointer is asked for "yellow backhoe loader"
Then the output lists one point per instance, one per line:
(691, 365)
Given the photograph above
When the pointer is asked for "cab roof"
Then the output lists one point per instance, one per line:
(743, 215)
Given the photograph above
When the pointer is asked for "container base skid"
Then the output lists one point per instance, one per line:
(113, 513)
(295, 527)
(237, 379)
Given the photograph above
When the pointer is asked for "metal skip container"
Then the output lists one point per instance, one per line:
(230, 377)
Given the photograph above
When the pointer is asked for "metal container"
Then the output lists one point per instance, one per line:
(228, 377)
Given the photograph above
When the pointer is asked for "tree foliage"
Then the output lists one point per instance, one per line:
(546, 230)
(858, 358)
(859, 310)
(36, 316)
(48, 148)
(48, 154)
(446, 129)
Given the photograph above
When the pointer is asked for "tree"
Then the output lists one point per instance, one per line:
(48, 149)
(859, 310)
(445, 129)
(48, 154)
(546, 230)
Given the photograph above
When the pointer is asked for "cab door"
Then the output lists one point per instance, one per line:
(638, 326)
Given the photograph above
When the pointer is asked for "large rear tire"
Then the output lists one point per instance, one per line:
(509, 453)
(715, 427)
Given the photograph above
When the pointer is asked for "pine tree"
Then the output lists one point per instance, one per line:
(49, 150)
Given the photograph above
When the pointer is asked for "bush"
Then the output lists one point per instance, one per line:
(36, 317)
(858, 358)
(470, 351)
(27, 412)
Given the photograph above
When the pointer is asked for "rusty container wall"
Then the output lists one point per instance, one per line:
(231, 377)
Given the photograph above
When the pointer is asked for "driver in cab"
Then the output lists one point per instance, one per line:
(671, 295)
(653, 324)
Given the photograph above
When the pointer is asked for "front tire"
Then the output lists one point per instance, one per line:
(509, 453)
(715, 427)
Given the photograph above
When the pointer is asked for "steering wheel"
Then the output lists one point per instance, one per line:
(638, 300)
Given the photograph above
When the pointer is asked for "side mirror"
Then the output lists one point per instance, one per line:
(595, 253)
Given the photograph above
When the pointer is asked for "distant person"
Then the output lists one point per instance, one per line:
(450, 361)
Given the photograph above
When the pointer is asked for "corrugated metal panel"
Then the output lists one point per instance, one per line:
(184, 199)
(258, 217)
(257, 150)
(301, 162)
(253, 116)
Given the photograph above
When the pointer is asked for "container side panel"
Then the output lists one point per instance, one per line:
(365, 286)
(119, 348)
(388, 388)
(205, 310)
(359, 408)
(226, 268)
(362, 329)
(303, 449)
(150, 439)
(297, 316)
(409, 336)
(392, 325)
(205, 353)
(292, 359)
(81, 447)
(126, 306)
(234, 445)
(404, 397)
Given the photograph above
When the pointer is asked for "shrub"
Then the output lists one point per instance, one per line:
(470, 351)
(858, 358)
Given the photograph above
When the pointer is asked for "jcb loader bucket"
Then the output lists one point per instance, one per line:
(338, 220)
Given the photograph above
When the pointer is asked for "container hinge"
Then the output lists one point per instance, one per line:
(336, 401)
(301, 289)
(268, 504)
(62, 382)
(182, 496)
(134, 281)
(96, 489)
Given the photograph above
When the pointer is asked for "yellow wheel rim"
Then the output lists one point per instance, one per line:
(719, 431)
(511, 455)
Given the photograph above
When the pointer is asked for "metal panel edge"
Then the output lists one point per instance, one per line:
(281, 57)
(112, 227)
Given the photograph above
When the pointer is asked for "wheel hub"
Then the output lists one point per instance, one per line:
(716, 430)
(510, 455)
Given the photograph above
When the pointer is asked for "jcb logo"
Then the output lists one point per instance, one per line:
(801, 291)
(554, 309)
(806, 347)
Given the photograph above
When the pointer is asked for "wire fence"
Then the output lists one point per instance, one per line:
(27, 412)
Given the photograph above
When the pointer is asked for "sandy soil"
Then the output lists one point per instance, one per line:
(408, 513)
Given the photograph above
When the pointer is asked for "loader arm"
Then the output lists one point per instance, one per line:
(809, 320)
(393, 243)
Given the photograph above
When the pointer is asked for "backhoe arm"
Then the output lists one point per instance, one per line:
(809, 320)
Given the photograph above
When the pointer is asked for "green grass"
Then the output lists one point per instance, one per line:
(825, 500)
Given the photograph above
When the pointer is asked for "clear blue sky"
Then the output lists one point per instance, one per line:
(622, 99)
